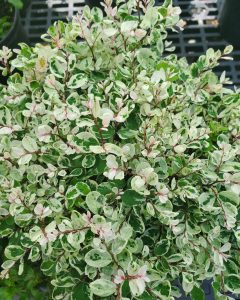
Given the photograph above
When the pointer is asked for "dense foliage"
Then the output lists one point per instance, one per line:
(119, 164)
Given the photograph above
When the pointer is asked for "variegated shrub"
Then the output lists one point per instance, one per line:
(119, 162)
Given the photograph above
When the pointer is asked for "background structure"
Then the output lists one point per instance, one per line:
(201, 31)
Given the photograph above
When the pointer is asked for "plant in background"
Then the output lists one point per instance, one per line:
(16, 3)
(28, 286)
(7, 15)
(120, 170)
(5, 26)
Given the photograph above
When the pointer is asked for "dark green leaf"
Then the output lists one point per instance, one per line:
(81, 291)
(131, 198)
(197, 294)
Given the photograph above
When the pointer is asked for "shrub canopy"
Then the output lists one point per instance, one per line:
(119, 163)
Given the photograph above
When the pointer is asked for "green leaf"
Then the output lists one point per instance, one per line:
(96, 14)
(228, 49)
(64, 281)
(230, 209)
(83, 188)
(6, 293)
(162, 289)
(160, 46)
(228, 196)
(110, 31)
(197, 294)
(146, 296)
(77, 81)
(48, 267)
(58, 67)
(217, 289)
(187, 282)
(128, 26)
(88, 161)
(16, 3)
(95, 201)
(150, 18)
(162, 247)
(131, 198)
(137, 222)
(8, 264)
(14, 252)
(163, 167)
(76, 172)
(232, 283)
(29, 144)
(118, 245)
(145, 57)
(105, 188)
(102, 287)
(72, 193)
(125, 133)
(81, 291)
(206, 201)
(98, 258)
(71, 62)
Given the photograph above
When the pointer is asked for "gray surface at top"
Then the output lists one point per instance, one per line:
(201, 31)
